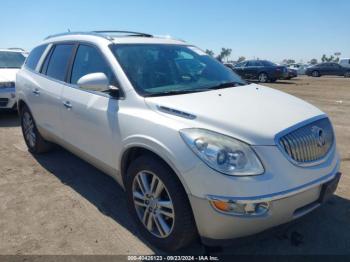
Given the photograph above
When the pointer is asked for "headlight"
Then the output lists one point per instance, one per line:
(7, 84)
(222, 153)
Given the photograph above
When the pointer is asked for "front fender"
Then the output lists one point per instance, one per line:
(158, 148)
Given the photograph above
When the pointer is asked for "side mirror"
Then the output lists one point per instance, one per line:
(94, 82)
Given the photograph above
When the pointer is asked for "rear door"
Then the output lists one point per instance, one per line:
(339, 70)
(90, 118)
(29, 81)
(50, 86)
(251, 70)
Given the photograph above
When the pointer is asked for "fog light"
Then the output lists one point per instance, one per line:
(240, 208)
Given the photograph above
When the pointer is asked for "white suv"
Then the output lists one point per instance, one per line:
(199, 151)
(10, 62)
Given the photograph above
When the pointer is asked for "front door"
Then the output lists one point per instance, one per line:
(90, 119)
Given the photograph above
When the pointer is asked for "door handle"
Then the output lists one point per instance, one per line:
(36, 92)
(67, 105)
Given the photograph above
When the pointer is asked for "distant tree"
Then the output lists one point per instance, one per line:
(225, 53)
(336, 59)
(288, 61)
(313, 61)
(241, 59)
(209, 52)
(324, 58)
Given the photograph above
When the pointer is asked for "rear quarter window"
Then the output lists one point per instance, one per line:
(34, 57)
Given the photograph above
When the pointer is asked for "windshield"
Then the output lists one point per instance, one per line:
(159, 69)
(11, 59)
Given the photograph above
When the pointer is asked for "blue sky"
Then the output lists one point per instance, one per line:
(269, 29)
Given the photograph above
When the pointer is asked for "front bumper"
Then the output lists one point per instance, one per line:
(7, 98)
(218, 227)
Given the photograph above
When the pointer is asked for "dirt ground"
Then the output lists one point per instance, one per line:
(59, 204)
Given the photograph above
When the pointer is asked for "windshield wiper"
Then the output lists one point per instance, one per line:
(187, 91)
(175, 92)
(226, 85)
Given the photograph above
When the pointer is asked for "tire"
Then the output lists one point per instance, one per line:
(315, 73)
(263, 78)
(35, 142)
(273, 80)
(181, 229)
(347, 74)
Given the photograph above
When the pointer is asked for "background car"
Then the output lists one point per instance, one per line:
(334, 69)
(230, 65)
(262, 70)
(11, 61)
(292, 73)
(299, 67)
(345, 62)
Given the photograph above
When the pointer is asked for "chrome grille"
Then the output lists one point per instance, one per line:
(309, 143)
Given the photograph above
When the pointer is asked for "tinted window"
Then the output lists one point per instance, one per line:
(268, 63)
(88, 60)
(11, 59)
(59, 60)
(251, 63)
(46, 61)
(241, 64)
(34, 56)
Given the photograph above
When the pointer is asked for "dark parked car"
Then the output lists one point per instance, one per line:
(261, 70)
(327, 69)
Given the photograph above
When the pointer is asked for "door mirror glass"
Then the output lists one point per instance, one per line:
(94, 82)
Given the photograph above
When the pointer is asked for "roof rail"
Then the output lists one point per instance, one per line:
(16, 48)
(78, 33)
(108, 34)
(128, 33)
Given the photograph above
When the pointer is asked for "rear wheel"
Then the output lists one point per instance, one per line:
(159, 204)
(35, 142)
(263, 78)
(315, 74)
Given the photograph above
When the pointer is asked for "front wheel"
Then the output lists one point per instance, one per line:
(315, 74)
(159, 205)
(35, 142)
(347, 74)
(263, 78)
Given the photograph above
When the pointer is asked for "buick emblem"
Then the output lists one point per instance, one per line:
(319, 135)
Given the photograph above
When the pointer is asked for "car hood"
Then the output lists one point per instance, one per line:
(8, 74)
(251, 113)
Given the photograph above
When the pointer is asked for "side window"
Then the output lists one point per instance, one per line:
(259, 63)
(241, 64)
(46, 61)
(34, 56)
(251, 64)
(59, 60)
(88, 60)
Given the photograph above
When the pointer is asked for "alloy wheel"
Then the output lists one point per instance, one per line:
(28, 129)
(263, 78)
(153, 204)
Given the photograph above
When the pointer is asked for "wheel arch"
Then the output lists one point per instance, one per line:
(134, 150)
(20, 104)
